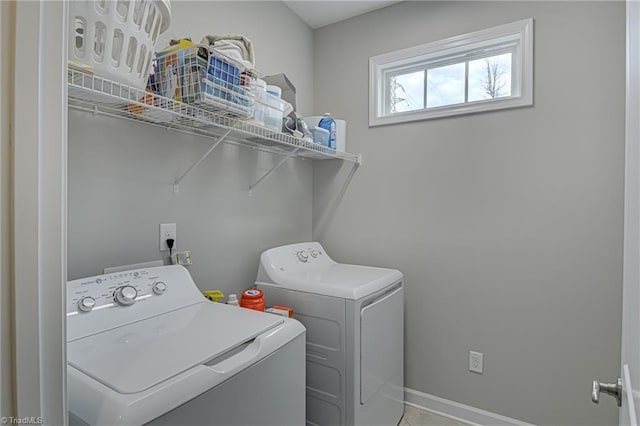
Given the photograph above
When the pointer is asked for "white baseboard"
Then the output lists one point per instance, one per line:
(457, 411)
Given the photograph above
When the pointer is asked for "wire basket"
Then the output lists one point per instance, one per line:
(200, 76)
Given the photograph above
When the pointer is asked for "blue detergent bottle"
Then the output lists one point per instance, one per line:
(329, 124)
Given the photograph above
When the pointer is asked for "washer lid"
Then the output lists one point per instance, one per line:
(135, 357)
(339, 280)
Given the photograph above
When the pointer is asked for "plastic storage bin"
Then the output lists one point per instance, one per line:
(273, 112)
(320, 136)
(260, 93)
(116, 39)
(200, 76)
(341, 130)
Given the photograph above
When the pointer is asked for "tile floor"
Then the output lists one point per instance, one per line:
(415, 417)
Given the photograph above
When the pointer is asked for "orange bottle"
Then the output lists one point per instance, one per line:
(252, 299)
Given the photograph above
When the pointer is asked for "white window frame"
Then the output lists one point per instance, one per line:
(515, 37)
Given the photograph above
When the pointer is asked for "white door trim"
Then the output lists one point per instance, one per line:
(7, 29)
(39, 188)
(630, 350)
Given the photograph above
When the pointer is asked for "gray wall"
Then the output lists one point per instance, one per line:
(507, 225)
(120, 172)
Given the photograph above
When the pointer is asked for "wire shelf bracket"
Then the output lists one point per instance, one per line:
(176, 183)
(273, 169)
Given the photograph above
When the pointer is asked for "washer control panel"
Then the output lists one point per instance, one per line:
(109, 300)
(122, 289)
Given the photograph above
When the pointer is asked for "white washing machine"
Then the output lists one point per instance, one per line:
(145, 347)
(354, 320)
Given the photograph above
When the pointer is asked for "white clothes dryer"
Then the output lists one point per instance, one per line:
(145, 347)
(355, 327)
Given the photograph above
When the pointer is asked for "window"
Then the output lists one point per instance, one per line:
(482, 71)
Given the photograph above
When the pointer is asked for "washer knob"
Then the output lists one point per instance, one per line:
(303, 256)
(126, 295)
(314, 253)
(86, 304)
(159, 288)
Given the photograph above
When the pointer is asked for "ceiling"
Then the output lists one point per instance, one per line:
(320, 13)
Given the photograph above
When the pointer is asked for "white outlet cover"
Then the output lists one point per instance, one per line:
(476, 362)
(167, 230)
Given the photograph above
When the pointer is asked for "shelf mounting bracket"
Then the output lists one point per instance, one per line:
(176, 183)
(273, 169)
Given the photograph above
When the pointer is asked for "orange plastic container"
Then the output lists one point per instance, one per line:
(284, 308)
(252, 299)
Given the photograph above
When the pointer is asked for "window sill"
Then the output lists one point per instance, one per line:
(452, 110)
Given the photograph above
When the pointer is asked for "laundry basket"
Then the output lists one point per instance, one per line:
(116, 39)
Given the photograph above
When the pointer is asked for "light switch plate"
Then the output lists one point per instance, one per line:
(476, 364)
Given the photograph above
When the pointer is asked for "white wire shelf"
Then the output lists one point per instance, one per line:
(93, 93)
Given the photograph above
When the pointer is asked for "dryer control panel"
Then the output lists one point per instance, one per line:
(105, 301)
(306, 255)
(281, 262)
(303, 255)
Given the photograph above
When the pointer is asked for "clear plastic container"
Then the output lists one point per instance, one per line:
(260, 93)
(274, 90)
(320, 136)
(274, 112)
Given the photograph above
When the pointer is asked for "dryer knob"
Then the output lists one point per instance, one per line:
(303, 256)
(86, 304)
(159, 288)
(126, 295)
(314, 253)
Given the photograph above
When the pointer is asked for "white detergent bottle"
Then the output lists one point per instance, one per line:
(233, 300)
(329, 124)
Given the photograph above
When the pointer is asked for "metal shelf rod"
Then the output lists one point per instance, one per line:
(273, 169)
(176, 183)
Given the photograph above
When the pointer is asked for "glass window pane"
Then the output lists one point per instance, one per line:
(490, 78)
(407, 92)
(445, 85)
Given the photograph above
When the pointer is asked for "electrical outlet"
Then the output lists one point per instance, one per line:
(476, 362)
(167, 230)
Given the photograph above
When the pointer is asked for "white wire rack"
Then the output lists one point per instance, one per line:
(92, 93)
(200, 76)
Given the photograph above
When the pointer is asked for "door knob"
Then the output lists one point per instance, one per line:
(613, 389)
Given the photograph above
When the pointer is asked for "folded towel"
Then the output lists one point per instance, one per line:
(231, 50)
(235, 46)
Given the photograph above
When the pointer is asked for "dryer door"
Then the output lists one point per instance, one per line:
(381, 343)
